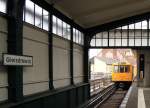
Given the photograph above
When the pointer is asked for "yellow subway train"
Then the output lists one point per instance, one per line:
(122, 73)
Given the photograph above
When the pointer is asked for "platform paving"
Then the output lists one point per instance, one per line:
(133, 98)
(146, 92)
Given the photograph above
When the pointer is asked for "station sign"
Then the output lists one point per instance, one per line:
(17, 60)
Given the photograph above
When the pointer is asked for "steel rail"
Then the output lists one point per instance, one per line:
(100, 98)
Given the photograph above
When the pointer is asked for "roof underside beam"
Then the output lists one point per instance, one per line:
(118, 23)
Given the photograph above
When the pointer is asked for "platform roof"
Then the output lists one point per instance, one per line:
(90, 13)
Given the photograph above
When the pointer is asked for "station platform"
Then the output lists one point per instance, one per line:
(137, 97)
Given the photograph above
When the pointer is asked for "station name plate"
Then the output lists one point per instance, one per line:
(17, 60)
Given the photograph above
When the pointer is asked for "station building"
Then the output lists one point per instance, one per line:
(44, 47)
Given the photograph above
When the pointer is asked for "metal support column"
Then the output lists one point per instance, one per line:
(86, 58)
(15, 46)
(50, 37)
(71, 55)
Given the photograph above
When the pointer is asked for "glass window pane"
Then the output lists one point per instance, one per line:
(38, 16)
(137, 42)
(144, 24)
(124, 42)
(118, 33)
(144, 33)
(118, 28)
(105, 34)
(99, 35)
(138, 25)
(93, 42)
(124, 33)
(68, 31)
(98, 42)
(74, 35)
(131, 34)
(45, 20)
(127, 68)
(125, 27)
(3, 6)
(112, 34)
(137, 32)
(118, 42)
(131, 26)
(64, 30)
(131, 42)
(105, 42)
(59, 22)
(149, 23)
(80, 38)
(116, 69)
(77, 38)
(121, 68)
(144, 42)
(29, 12)
(54, 24)
(111, 42)
(23, 16)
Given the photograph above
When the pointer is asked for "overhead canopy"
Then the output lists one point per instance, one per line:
(90, 13)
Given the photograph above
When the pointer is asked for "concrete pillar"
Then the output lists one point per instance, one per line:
(139, 81)
(146, 81)
(147, 70)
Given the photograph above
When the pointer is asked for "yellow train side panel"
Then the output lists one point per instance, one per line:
(121, 77)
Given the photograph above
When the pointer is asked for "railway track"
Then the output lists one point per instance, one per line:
(110, 97)
(114, 100)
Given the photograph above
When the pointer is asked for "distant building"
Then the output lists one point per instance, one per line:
(101, 65)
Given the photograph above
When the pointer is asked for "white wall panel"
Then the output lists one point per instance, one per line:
(62, 43)
(3, 23)
(3, 94)
(35, 43)
(35, 34)
(35, 88)
(61, 62)
(78, 64)
(3, 42)
(3, 49)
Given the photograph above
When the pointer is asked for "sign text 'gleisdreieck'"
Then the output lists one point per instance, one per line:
(16, 60)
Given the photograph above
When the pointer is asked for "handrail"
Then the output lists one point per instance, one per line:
(98, 84)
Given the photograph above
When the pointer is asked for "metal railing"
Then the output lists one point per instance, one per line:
(98, 85)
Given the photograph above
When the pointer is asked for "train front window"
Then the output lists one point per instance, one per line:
(116, 69)
(127, 68)
(121, 69)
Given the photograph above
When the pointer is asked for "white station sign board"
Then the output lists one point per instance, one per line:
(17, 60)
